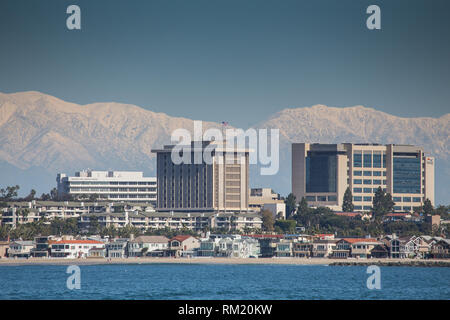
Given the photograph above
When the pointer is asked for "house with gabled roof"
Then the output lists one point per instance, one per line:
(182, 245)
(440, 249)
(354, 247)
(20, 249)
(147, 245)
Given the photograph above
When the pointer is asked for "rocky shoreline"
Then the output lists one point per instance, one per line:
(408, 263)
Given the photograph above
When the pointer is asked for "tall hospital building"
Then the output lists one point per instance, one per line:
(129, 186)
(322, 172)
(215, 185)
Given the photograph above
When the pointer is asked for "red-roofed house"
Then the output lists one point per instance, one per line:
(182, 245)
(73, 248)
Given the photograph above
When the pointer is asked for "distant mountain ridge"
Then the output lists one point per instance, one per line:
(41, 135)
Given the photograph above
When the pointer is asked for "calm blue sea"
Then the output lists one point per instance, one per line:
(184, 281)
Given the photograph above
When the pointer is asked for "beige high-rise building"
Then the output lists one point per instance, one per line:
(322, 173)
(221, 184)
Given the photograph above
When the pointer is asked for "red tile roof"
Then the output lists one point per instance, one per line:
(354, 240)
(181, 238)
(402, 214)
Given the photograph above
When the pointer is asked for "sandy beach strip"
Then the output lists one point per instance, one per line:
(210, 260)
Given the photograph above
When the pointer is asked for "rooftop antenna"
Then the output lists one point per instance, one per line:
(224, 124)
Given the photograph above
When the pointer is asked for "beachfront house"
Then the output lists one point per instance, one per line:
(323, 248)
(147, 246)
(267, 244)
(342, 250)
(41, 248)
(363, 248)
(73, 249)
(97, 252)
(182, 246)
(20, 249)
(232, 246)
(284, 248)
(440, 249)
(117, 248)
(353, 247)
(302, 249)
(237, 247)
(380, 251)
(208, 247)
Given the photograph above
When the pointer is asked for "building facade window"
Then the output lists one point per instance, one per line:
(321, 173)
(367, 159)
(406, 173)
(377, 159)
(357, 159)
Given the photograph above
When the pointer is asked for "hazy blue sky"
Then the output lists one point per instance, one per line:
(234, 60)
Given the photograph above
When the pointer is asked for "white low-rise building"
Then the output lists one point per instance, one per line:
(231, 246)
(109, 185)
(72, 249)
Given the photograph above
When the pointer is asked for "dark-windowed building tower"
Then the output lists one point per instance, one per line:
(322, 173)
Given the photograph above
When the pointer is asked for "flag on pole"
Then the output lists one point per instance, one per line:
(224, 123)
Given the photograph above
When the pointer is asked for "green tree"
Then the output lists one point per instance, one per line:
(45, 197)
(93, 225)
(54, 194)
(286, 226)
(268, 220)
(428, 207)
(110, 231)
(128, 230)
(388, 203)
(9, 193)
(382, 203)
(303, 206)
(24, 213)
(71, 226)
(347, 205)
(290, 204)
(31, 195)
(443, 211)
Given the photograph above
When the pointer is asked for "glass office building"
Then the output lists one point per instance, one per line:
(322, 173)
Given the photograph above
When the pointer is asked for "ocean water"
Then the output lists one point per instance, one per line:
(205, 281)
